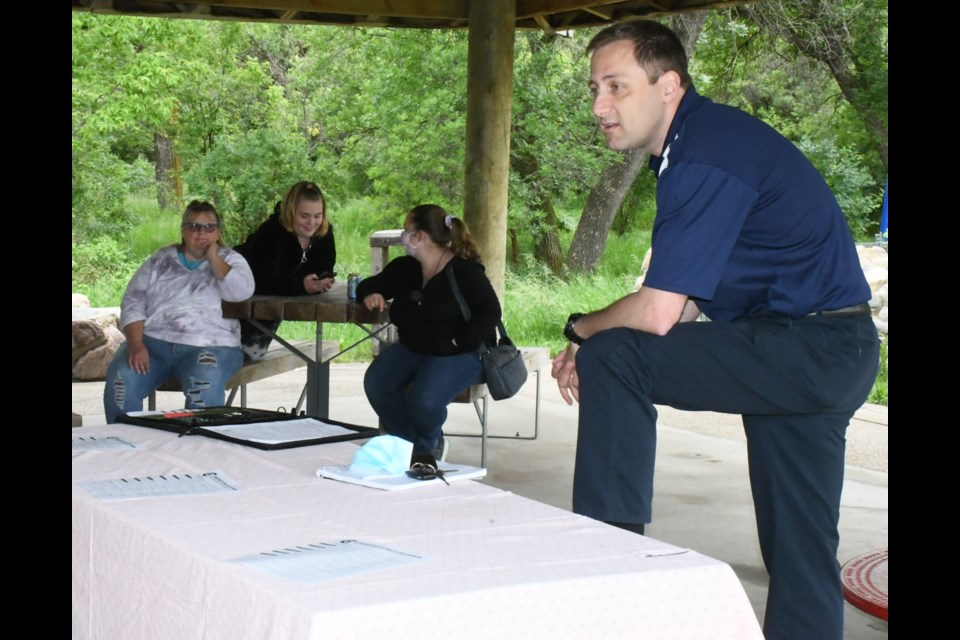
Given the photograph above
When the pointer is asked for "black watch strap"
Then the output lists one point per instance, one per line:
(568, 331)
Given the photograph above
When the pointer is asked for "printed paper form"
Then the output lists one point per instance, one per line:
(282, 430)
(178, 484)
(103, 443)
(309, 564)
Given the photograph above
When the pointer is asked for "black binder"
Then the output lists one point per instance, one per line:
(194, 422)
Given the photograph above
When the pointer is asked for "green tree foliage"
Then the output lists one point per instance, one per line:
(122, 93)
(744, 59)
(246, 174)
(379, 114)
(388, 108)
(552, 119)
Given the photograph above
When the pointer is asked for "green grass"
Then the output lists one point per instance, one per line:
(537, 302)
(878, 395)
(154, 227)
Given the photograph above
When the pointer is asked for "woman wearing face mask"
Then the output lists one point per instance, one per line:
(411, 383)
(292, 254)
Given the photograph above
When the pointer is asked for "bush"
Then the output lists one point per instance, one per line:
(101, 270)
(101, 182)
(859, 195)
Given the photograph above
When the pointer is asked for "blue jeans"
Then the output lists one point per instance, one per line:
(796, 384)
(410, 391)
(202, 371)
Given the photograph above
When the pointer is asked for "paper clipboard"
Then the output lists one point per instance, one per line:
(196, 422)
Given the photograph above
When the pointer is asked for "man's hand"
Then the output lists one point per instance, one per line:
(564, 369)
(375, 301)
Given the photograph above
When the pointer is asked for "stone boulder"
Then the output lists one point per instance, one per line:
(92, 365)
(95, 339)
(87, 335)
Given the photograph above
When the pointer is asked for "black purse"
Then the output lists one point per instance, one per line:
(503, 367)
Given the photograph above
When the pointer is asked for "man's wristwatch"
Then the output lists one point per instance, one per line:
(568, 331)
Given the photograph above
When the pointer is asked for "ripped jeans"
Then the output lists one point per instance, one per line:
(202, 371)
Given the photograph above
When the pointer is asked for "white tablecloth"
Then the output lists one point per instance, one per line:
(500, 565)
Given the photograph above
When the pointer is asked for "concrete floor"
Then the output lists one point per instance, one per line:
(702, 499)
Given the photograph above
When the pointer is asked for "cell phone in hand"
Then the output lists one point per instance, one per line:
(327, 274)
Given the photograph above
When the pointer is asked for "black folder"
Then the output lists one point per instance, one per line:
(196, 422)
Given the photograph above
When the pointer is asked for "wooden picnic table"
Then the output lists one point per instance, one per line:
(330, 307)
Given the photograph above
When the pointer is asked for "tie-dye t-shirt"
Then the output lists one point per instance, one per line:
(183, 306)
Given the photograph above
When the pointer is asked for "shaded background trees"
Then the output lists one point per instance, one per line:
(236, 112)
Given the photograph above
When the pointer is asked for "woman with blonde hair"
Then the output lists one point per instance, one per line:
(292, 253)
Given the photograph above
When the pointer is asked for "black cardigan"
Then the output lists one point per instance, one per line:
(428, 318)
(275, 255)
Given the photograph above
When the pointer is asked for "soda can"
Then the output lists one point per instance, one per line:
(352, 281)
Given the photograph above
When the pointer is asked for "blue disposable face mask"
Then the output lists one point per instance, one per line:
(408, 246)
(382, 456)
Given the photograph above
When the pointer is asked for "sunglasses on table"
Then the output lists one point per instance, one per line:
(196, 227)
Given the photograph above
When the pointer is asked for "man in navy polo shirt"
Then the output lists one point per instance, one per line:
(748, 233)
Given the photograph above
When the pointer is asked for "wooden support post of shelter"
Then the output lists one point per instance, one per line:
(489, 96)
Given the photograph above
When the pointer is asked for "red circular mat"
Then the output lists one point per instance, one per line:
(864, 581)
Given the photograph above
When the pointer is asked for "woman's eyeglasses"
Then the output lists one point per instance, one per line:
(196, 227)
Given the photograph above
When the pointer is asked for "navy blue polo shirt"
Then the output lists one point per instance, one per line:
(745, 222)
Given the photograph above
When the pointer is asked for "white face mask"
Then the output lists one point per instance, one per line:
(408, 246)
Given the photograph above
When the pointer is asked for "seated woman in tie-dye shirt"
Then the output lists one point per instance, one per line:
(171, 316)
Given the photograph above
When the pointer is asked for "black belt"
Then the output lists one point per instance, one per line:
(862, 309)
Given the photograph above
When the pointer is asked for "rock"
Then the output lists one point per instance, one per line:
(80, 301)
(644, 265)
(93, 364)
(87, 335)
(103, 316)
(876, 277)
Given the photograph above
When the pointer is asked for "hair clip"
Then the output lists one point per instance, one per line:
(448, 221)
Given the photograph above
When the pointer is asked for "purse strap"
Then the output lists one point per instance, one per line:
(465, 310)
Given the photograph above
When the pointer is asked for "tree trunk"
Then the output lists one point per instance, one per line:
(165, 171)
(590, 238)
(548, 243)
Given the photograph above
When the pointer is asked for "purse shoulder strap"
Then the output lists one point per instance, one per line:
(465, 310)
(452, 279)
